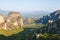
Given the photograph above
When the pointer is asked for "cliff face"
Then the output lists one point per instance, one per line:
(2, 20)
(13, 20)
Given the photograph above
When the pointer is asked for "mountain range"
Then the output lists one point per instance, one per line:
(54, 16)
(35, 14)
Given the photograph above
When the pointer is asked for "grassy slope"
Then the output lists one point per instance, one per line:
(10, 32)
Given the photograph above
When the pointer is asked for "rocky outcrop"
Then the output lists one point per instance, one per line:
(15, 18)
(54, 16)
(12, 21)
(54, 21)
(2, 20)
(28, 21)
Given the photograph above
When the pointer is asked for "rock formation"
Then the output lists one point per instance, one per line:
(54, 16)
(2, 20)
(15, 18)
(12, 21)
(28, 21)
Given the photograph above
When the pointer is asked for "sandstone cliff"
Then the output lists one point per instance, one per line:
(12, 21)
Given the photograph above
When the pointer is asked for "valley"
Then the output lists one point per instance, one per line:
(46, 27)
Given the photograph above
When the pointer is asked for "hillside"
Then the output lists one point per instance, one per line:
(54, 16)
(30, 29)
(36, 33)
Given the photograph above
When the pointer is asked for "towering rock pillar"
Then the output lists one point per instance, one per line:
(12, 21)
(15, 18)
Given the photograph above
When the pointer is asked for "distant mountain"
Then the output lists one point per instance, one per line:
(34, 14)
(5, 13)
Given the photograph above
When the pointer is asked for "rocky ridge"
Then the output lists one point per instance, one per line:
(54, 16)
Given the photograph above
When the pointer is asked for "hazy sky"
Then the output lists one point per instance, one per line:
(29, 5)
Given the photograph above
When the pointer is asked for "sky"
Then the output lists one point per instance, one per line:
(29, 5)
